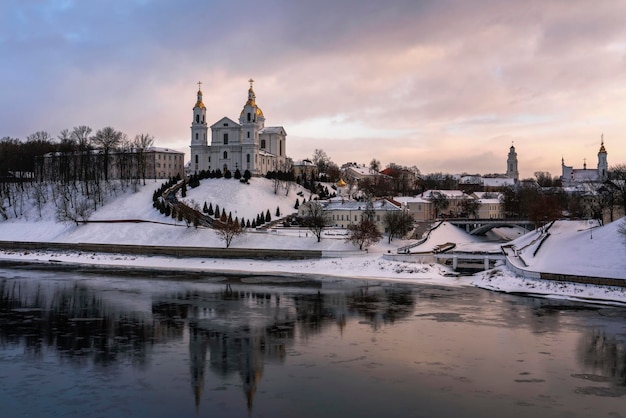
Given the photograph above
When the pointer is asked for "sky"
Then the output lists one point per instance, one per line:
(444, 85)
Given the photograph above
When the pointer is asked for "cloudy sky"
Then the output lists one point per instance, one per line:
(441, 84)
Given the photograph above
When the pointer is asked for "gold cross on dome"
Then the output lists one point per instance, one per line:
(199, 84)
(251, 81)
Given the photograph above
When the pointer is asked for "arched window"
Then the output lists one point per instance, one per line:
(196, 135)
(225, 154)
(196, 158)
(197, 118)
(248, 116)
(262, 143)
(248, 134)
(280, 148)
(225, 140)
(247, 158)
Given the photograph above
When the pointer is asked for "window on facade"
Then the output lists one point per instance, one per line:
(225, 139)
(225, 124)
(196, 135)
(248, 116)
(209, 158)
(196, 158)
(248, 134)
(247, 158)
(197, 118)
(225, 154)
(202, 118)
(262, 143)
(280, 148)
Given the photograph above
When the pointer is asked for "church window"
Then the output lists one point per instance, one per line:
(280, 148)
(225, 154)
(197, 118)
(202, 118)
(209, 158)
(248, 116)
(225, 139)
(196, 135)
(262, 143)
(248, 134)
(196, 158)
(247, 158)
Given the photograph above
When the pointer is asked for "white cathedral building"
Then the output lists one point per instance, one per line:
(247, 145)
(571, 176)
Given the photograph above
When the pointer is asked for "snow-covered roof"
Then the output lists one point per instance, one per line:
(273, 130)
(164, 150)
(498, 181)
(383, 204)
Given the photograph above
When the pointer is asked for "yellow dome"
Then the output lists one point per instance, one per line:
(341, 183)
(199, 104)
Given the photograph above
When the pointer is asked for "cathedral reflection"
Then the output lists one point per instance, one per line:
(231, 329)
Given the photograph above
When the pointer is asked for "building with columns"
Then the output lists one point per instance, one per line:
(244, 145)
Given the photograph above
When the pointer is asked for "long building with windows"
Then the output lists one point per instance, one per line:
(244, 145)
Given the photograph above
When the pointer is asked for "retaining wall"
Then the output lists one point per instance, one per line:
(174, 251)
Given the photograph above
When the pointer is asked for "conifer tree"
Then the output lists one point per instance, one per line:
(277, 211)
(217, 210)
(205, 209)
(243, 224)
(253, 224)
(223, 212)
(297, 205)
(210, 212)
(248, 223)
(230, 218)
(183, 190)
(268, 217)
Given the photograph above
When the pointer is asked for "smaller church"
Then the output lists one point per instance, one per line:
(244, 145)
(571, 176)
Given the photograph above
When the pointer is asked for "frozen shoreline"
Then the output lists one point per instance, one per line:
(365, 267)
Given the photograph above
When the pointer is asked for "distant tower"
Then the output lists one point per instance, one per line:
(511, 164)
(603, 165)
(199, 129)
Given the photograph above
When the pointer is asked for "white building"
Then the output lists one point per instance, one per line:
(247, 145)
(571, 176)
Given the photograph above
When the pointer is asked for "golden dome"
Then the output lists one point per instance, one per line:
(341, 183)
(602, 149)
(199, 102)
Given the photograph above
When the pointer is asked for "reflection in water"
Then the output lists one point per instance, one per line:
(238, 330)
(605, 356)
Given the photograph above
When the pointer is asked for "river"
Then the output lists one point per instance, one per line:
(84, 344)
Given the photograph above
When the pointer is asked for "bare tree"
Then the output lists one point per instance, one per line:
(227, 231)
(440, 202)
(398, 223)
(107, 139)
(315, 218)
(364, 233)
(142, 143)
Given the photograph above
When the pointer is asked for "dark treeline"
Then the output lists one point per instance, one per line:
(74, 169)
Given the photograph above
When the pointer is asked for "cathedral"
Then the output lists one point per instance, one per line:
(571, 176)
(247, 145)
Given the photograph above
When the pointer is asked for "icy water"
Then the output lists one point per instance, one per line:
(88, 345)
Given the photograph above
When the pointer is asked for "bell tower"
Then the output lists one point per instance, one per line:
(251, 118)
(511, 164)
(603, 165)
(199, 129)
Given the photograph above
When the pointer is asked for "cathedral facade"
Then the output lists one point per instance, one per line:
(244, 145)
(571, 176)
